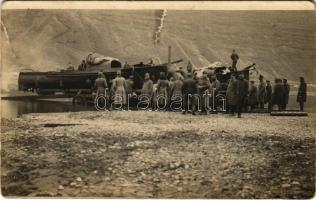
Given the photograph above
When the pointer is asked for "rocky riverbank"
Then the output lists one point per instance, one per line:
(158, 155)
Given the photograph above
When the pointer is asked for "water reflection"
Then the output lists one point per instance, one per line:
(11, 109)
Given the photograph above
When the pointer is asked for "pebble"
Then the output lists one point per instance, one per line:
(295, 183)
(73, 184)
(95, 172)
(60, 187)
(286, 185)
(78, 179)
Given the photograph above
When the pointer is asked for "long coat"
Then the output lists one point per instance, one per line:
(162, 91)
(189, 87)
(301, 94)
(278, 94)
(129, 86)
(147, 89)
(242, 91)
(176, 89)
(253, 95)
(119, 86)
(231, 92)
(101, 85)
(286, 93)
(269, 93)
(262, 93)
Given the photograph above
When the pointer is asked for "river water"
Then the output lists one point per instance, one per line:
(15, 108)
(12, 108)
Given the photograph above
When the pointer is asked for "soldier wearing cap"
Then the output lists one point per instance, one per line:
(147, 89)
(302, 93)
(242, 92)
(286, 94)
(278, 94)
(119, 88)
(129, 85)
(268, 94)
(204, 87)
(261, 92)
(234, 58)
(189, 91)
(101, 84)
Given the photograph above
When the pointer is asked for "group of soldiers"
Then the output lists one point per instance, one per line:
(189, 93)
(265, 94)
(258, 96)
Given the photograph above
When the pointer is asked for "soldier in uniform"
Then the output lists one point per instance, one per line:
(189, 90)
(82, 66)
(234, 58)
(302, 93)
(176, 90)
(215, 86)
(231, 95)
(171, 84)
(278, 94)
(204, 86)
(129, 85)
(261, 92)
(242, 92)
(268, 94)
(147, 89)
(253, 95)
(162, 90)
(190, 67)
(286, 94)
(100, 84)
(119, 88)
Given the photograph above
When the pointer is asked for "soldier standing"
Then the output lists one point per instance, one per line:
(189, 90)
(302, 93)
(119, 87)
(129, 85)
(261, 92)
(82, 66)
(204, 86)
(242, 91)
(147, 89)
(278, 94)
(253, 96)
(162, 90)
(176, 91)
(215, 86)
(268, 94)
(231, 95)
(286, 94)
(234, 58)
(171, 84)
(101, 84)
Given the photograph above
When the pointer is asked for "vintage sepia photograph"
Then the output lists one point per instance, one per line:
(158, 100)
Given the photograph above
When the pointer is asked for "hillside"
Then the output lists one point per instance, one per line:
(282, 43)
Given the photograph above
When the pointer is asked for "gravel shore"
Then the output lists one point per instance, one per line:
(158, 155)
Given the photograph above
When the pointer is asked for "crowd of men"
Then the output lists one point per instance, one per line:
(182, 89)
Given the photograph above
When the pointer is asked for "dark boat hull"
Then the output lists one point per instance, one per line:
(73, 81)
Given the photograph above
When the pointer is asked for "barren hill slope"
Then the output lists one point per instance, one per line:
(282, 43)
